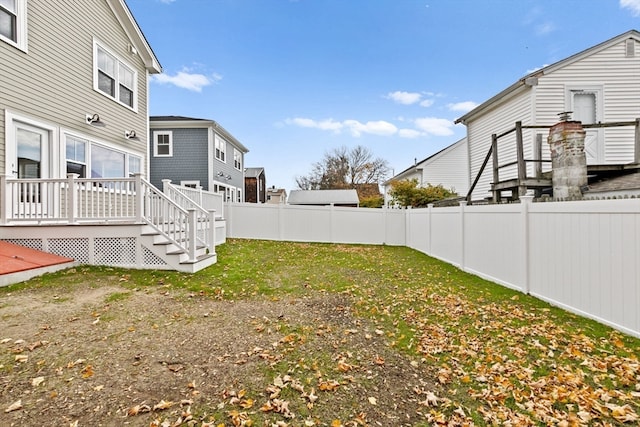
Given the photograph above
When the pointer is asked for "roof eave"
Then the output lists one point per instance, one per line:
(137, 38)
(527, 81)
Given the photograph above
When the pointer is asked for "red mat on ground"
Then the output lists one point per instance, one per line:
(14, 258)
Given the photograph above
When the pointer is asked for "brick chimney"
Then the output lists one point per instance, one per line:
(568, 160)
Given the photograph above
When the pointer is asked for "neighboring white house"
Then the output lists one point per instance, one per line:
(448, 167)
(599, 84)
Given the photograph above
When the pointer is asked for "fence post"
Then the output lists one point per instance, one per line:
(525, 204)
(407, 226)
(429, 227)
(463, 205)
(72, 199)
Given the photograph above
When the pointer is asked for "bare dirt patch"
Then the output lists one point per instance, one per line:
(111, 356)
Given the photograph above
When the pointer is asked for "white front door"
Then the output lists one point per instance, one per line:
(585, 109)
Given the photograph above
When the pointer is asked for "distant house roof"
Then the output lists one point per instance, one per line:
(625, 185)
(193, 122)
(324, 197)
(253, 172)
(531, 79)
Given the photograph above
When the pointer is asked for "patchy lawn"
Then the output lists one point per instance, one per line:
(287, 334)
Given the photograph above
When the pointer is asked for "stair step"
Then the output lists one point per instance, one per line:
(201, 258)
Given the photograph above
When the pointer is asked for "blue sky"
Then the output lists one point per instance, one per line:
(293, 79)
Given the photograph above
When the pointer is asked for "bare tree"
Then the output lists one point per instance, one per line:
(344, 168)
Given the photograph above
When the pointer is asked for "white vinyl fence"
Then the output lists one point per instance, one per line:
(582, 256)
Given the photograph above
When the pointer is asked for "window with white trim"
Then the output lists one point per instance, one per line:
(76, 152)
(221, 148)
(163, 143)
(135, 164)
(114, 78)
(237, 159)
(106, 163)
(13, 23)
(83, 155)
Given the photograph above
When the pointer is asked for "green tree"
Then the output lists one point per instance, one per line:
(407, 193)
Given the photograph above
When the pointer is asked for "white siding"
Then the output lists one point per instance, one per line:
(498, 120)
(619, 78)
(449, 168)
(53, 82)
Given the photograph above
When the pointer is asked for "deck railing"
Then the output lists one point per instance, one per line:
(74, 200)
(188, 197)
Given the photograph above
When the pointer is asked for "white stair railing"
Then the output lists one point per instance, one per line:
(74, 200)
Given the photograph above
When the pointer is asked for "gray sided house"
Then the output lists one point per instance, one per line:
(598, 85)
(197, 153)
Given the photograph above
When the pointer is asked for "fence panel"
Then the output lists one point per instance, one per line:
(585, 256)
(493, 243)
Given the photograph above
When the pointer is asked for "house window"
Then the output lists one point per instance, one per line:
(76, 150)
(163, 144)
(221, 148)
(237, 159)
(13, 22)
(106, 163)
(190, 184)
(134, 165)
(113, 77)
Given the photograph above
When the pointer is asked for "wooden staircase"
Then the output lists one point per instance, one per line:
(176, 257)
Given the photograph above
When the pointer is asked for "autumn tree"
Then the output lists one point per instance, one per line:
(407, 193)
(344, 168)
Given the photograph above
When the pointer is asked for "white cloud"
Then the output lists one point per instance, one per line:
(545, 28)
(379, 127)
(632, 5)
(186, 80)
(427, 103)
(356, 128)
(405, 98)
(409, 133)
(167, 1)
(462, 106)
(434, 126)
(328, 124)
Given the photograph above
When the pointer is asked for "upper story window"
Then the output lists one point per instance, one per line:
(113, 77)
(237, 159)
(13, 22)
(163, 143)
(221, 148)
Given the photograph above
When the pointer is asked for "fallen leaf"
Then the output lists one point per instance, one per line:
(37, 381)
(373, 400)
(162, 405)
(14, 406)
